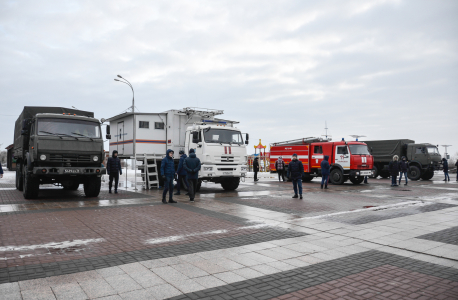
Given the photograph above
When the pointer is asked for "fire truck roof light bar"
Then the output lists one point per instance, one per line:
(211, 121)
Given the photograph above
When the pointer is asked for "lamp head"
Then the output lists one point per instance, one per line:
(119, 76)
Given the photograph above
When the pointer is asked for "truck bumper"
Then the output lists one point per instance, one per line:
(361, 172)
(212, 171)
(57, 171)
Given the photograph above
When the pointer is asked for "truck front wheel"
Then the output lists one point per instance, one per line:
(19, 179)
(92, 187)
(356, 179)
(374, 172)
(31, 185)
(337, 177)
(384, 174)
(230, 184)
(414, 173)
(427, 175)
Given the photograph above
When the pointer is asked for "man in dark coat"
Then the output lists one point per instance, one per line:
(456, 165)
(403, 167)
(1, 171)
(295, 172)
(114, 170)
(445, 164)
(280, 167)
(325, 171)
(256, 168)
(181, 172)
(168, 174)
(192, 166)
(394, 170)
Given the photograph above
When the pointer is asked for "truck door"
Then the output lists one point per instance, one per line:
(343, 157)
(317, 156)
(120, 138)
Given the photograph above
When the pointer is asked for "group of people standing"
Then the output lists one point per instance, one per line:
(187, 172)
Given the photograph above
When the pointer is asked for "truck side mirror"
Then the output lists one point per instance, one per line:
(246, 142)
(195, 137)
(25, 124)
(108, 136)
(247, 138)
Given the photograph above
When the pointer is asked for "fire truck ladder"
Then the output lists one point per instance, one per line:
(148, 170)
(302, 141)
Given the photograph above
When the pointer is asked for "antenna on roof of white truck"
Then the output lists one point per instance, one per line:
(203, 112)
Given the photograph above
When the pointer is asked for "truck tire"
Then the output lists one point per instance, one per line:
(384, 174)
(19, 179)
(71, 187)
(307, 178)
(356, 179)
(427, 175)
(31, 185)
(374, 172)
(414, 173)
(92, 187)
(337, 177)
(230, 184)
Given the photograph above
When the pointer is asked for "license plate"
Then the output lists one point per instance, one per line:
(227, 173)
(71, 171)
(365, 173)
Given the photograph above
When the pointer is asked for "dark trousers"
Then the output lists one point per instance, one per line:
(180, 180)
(393, 179)
(297, 183)
(281, 174)
(324, 180)
(255, 175)
(114, 176)
(168, 187)
(192, 188)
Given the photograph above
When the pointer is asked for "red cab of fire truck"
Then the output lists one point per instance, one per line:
(349, 160)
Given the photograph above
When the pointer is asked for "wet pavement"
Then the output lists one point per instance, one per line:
(368, 241)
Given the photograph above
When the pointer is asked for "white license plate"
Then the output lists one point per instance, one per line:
(227, 173)
(365, 173)
(71, 171)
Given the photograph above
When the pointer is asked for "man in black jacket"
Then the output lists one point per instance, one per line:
(404, 167)
(1, 171)
(456, 165)
(295, 172)
(256, 168)
(394, 170)
(192, 166)
(114, 170)
(445, 164)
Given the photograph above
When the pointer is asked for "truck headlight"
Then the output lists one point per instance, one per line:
(43, 157)
(208, 168)
(95, 158)
(243, 169)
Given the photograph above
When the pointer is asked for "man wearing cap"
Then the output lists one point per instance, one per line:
(168, 174)
(192, 166)
(181, 172)
(295, 172)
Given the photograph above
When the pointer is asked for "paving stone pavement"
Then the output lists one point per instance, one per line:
(350, 242)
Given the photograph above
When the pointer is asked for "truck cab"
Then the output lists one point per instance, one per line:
(423, 159)
(221, 150)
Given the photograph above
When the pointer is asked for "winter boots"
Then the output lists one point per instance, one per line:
(300, 196)
(295, 196)
(177, 193)
(172, 201)
(326, 186)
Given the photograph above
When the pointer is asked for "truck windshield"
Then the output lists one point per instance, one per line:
(432, 150)
(77, 128)
(223, 136)
(359, 150)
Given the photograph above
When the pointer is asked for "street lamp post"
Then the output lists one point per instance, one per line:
(125, 81)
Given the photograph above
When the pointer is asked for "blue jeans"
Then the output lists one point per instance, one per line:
(446, 176)
(168, 187)
(297, 182)
(324, 180)
(400, 177)
(393, 180)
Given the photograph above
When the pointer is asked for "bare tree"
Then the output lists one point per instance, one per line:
(3, 157)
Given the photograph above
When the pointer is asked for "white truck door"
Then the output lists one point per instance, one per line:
(343, 157)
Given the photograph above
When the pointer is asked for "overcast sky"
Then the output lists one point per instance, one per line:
(384, 69)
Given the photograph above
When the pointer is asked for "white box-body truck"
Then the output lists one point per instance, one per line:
(218, 144)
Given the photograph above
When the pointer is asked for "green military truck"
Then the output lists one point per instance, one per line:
(56, 145)
(423, 159)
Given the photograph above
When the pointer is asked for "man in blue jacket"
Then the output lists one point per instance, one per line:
(181, 172)
(325, 171)
(192, 166)
(114, 170)
(295, 172)
(168, 174)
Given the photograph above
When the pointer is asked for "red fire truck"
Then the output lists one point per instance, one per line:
(349, 160)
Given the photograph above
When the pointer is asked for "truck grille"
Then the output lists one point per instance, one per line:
(69, 158)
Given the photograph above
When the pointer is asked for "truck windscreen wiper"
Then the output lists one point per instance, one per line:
(83, 135)
(50, 133)
(64, 134)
